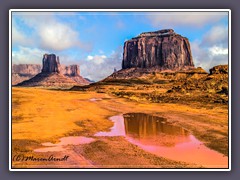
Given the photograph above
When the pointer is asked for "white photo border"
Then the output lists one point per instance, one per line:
(119, 10)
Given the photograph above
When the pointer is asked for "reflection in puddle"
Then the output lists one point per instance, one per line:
(154, 134)
(71, 140)
(153, 130)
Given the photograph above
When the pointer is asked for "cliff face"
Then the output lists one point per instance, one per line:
(22, 72)
(162, 49)
(50, 63)
(71, 70)
(26, 69)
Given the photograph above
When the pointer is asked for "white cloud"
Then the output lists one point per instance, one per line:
(50, 33)
(212, 49)
(90, 58)
(97, 59)
(218, 51)
(217, 35)
(27, 55)
(18, 37)
(207, 57)
(194, 19)
(57, 36)
(97, 71)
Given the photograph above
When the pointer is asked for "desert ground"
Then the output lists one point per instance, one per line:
(44, 116)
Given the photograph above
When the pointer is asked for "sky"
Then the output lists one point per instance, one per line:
(94, 40)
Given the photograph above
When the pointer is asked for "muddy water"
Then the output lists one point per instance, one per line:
(71, 140)
(155, 135)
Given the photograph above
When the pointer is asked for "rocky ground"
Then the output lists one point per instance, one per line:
(185, 87)
(193, 99)
(41, 115)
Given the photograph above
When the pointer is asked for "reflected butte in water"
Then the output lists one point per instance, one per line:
(153, 130)
(155, 135)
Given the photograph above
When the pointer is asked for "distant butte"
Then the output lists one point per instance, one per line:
(54, 74)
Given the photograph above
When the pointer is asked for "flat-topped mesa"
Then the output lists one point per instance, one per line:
(71, 70)
(26, 69)
(162, 50)
(22, 72)
(50, 63)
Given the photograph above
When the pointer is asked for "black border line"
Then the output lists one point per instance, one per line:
(120, 169)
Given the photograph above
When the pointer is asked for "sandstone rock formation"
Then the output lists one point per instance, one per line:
(185, 86)
(26, 69)
(53, 74)
(220, 69)
(214, 83)
(22, 72)
(73, 72)
(158, 67)
(50, 63)
(164, 50)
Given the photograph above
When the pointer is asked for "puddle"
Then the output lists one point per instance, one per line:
(95, 99)
(118, 128)
(71, 140)
(155, 135)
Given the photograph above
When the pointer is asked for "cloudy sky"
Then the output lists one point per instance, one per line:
(94, 40)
